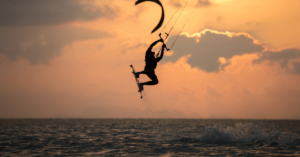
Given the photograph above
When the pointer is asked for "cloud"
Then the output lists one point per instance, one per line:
(44, 12)
(219, 18)
(140, 10)
(40, 44)
(130, 48)
(283, 57)
(203, 3)
(213, 92)
(294, 117)
(180, 3)
(296, 66)
(50, 104)
(177, 3)
(210, 50)
(109, 111)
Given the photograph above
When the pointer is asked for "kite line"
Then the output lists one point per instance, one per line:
(182, 27)
(167, 34)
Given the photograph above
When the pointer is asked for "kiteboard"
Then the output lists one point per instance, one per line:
(137, 81)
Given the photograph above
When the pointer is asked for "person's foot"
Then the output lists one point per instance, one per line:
(137, 75)
(141, 88)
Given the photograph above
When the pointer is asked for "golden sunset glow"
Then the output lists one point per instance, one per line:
(233, 59)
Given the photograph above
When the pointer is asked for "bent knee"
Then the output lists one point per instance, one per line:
(155, 82)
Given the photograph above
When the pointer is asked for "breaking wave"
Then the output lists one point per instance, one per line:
(242, 134)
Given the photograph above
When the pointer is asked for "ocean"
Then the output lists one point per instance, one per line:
(149, 137)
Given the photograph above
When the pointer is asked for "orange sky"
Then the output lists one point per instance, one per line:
(234, 59)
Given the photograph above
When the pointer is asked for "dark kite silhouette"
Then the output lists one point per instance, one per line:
(162, 12)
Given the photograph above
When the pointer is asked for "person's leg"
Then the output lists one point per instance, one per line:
(153, 78)
(137, 74)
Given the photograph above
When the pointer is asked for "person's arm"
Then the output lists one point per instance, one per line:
(162, 53)
(153, 44)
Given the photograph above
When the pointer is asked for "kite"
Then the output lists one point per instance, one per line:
(162, 13)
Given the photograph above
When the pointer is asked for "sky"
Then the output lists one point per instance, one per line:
(71, 59)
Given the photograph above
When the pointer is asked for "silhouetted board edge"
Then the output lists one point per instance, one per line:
(136, 79)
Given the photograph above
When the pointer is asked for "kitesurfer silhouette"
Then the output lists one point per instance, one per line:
(151, 63)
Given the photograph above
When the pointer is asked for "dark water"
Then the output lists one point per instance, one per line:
(149, 137)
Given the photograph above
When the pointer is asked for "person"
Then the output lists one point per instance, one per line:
(151, 63)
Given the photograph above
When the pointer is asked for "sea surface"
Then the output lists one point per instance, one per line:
(149, 137)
